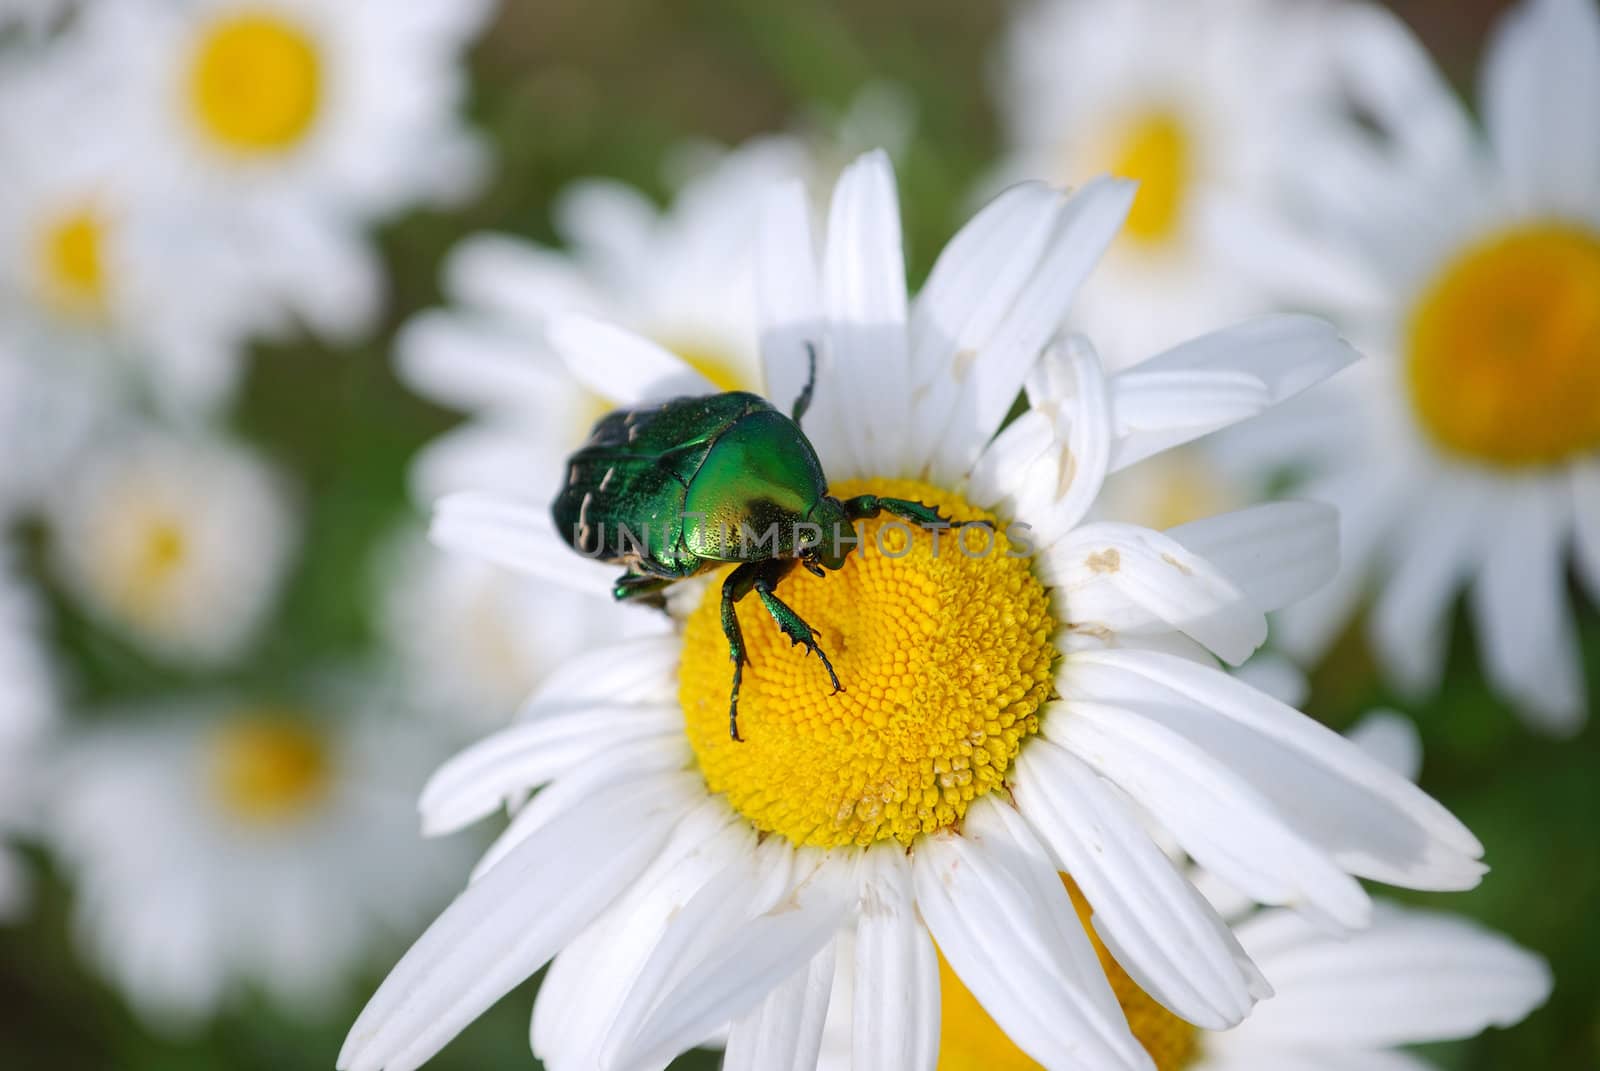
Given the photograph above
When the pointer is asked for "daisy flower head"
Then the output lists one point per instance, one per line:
(179, 543)
(1009, 712)
(680, 276)
(101, 284)
(224, 845)
(1466, 455)
(287, 127)
(28, 707)
(1190, 101)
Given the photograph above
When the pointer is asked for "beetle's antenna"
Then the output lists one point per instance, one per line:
(802, 403)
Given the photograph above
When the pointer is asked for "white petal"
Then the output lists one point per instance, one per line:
(1413, 977)
(1276, 553)
(472, 364)
(619, 365)
(1586, 524)
(792, 322)
(896, 1012)
(1163, 934)
(516, 280)
(1048, 466)
(1392, 739)
(744, 934)
(1541, 104)
(1525, 627)
(1373, 822)
(864, 297)
(479, 779)
(506, 926)
(636, 670)
(972, 287)
(615, 763)
(991, 379)
(1005, 924)
(589, 979)
(1437, 548)
(518, 536)
(785, 1032)
(1223, 823)
(1389, 71)
(1125, 578)
(1286, 354)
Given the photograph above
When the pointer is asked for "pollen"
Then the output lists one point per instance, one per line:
(255, 83)
(969, 1040)
(945, 657)
(269, 766)
(1504, 348)
(1154, 149)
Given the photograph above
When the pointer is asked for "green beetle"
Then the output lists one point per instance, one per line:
(696, 482)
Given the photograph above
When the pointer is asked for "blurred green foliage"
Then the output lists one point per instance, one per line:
(573, 88)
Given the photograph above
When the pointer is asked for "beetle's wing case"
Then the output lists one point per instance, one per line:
(633, 474)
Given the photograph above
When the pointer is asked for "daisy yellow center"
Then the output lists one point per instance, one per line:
(256, 83)
(1504, 348)
(73, 260)
(1155, 149)
(269, 767)
(969, 1040)
(139, 569)
(944, 657)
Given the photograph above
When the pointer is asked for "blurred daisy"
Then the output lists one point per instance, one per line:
(680, 277)
(1468, 454)
(1190, 100)
(473, 639)
(180, 544)
(219, 846)
(688, 880)
(100, 285)
(286, 127)
(27, 714)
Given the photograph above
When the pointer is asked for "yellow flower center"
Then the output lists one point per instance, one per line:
(971, 1041)
(139, 562)
(269, 766)
(1154, 148)
(1504, 348)
(73, 261)
(256, 83)
(944, 657)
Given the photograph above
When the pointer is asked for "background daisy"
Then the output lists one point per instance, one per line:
(28, 712)
(1192, 103)
(224, 845)
(179, 544)
(1463, 458)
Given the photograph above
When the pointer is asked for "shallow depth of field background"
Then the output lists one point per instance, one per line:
(566, 89)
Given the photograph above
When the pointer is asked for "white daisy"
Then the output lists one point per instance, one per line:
(1467, 456)
(28, 704)
(1190, 100)
(221, 845)
(100, 283)
(179, 543)
(688, 880)
(680, 277)
(286, 127)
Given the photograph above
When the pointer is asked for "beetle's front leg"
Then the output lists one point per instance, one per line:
(736, 586)
(791, 623)
(862, 507)
(641, 587)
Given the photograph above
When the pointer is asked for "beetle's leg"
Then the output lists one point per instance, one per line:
(790, 622)
(639, 587)
(737, 585)
(864, 506)
(802, 403)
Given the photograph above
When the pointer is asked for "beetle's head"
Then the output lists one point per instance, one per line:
(838, 534)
